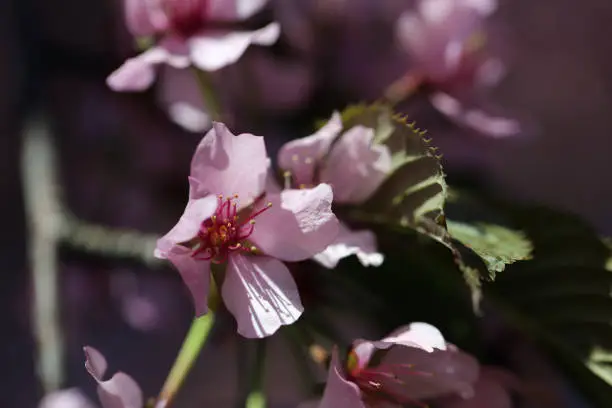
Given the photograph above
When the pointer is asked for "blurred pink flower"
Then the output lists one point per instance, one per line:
(492, 390)
(179, 93)
(446, 40)
(120, 391)
(67, 398)
(189, 32)
(249, 236)
(354, 166)
(415, 364)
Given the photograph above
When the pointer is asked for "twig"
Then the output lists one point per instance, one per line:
(43, 217)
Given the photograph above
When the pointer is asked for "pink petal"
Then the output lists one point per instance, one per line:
(436, 35)
(488, 393)
(454, 109)
(419, 335)
(227, 164)
(261, 294)
(212, 51)
(300, 156)
(121, 391)
(363, 350)
(197, 211)
(138, 73)
(298, 225)
(356, 167)
(340, 393)
(179, 93)
(347, 243)
(425, 375)
(195, 274)
(232, 10)
(145, 17)
(70, 398)
(95, 363)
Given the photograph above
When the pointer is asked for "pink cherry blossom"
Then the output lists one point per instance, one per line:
(230, 222)
(354, 166)
(189, 32)
(120, 391)
(66, 398)
(446, 39)
(416, 364)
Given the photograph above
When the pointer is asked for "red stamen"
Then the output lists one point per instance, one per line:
(372, 382)
(225, 232)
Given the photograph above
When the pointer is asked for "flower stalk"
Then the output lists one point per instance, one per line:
(192, 345)
(209, 95)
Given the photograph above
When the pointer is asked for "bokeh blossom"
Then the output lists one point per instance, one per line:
(120, 391)
(354, 165)
(492, 390)
(230, 223)
(447, 43)
(201, 33)
(412, 364)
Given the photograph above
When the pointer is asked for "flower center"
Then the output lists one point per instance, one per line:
(382, 384)
(227, 230)
(187, 16)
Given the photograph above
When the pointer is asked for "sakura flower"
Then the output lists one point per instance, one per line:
(189, 32)
(446, 40)
(413, 363)
(354, 166)
(67, 398)
(229, 223)
(492, 390)
(120, 391)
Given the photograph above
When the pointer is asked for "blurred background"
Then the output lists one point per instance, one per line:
(122, 162)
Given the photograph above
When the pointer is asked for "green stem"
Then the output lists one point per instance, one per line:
(403, 88)
(195, 339)
(211, 99)
(257, 397)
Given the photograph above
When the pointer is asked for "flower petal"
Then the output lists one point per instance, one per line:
(120, 391)
(227, 164)
(356, 167)
(298, 225)
(339, 392)
(233, 10)
(196, 275)
(488, 393)
(473, 118)
(197, 211)
(138, 73)
(179, 93)
(211, 51)
(418, 334)
(261, 294)
(418, 374)
(347, 243)
(300, 156)
(145, 17)
(69, 398)
(95, 363)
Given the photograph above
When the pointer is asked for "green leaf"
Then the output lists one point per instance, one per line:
(563, 296)
(414, 193)
(497, 245)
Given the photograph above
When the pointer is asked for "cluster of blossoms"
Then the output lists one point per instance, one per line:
(243, 227)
